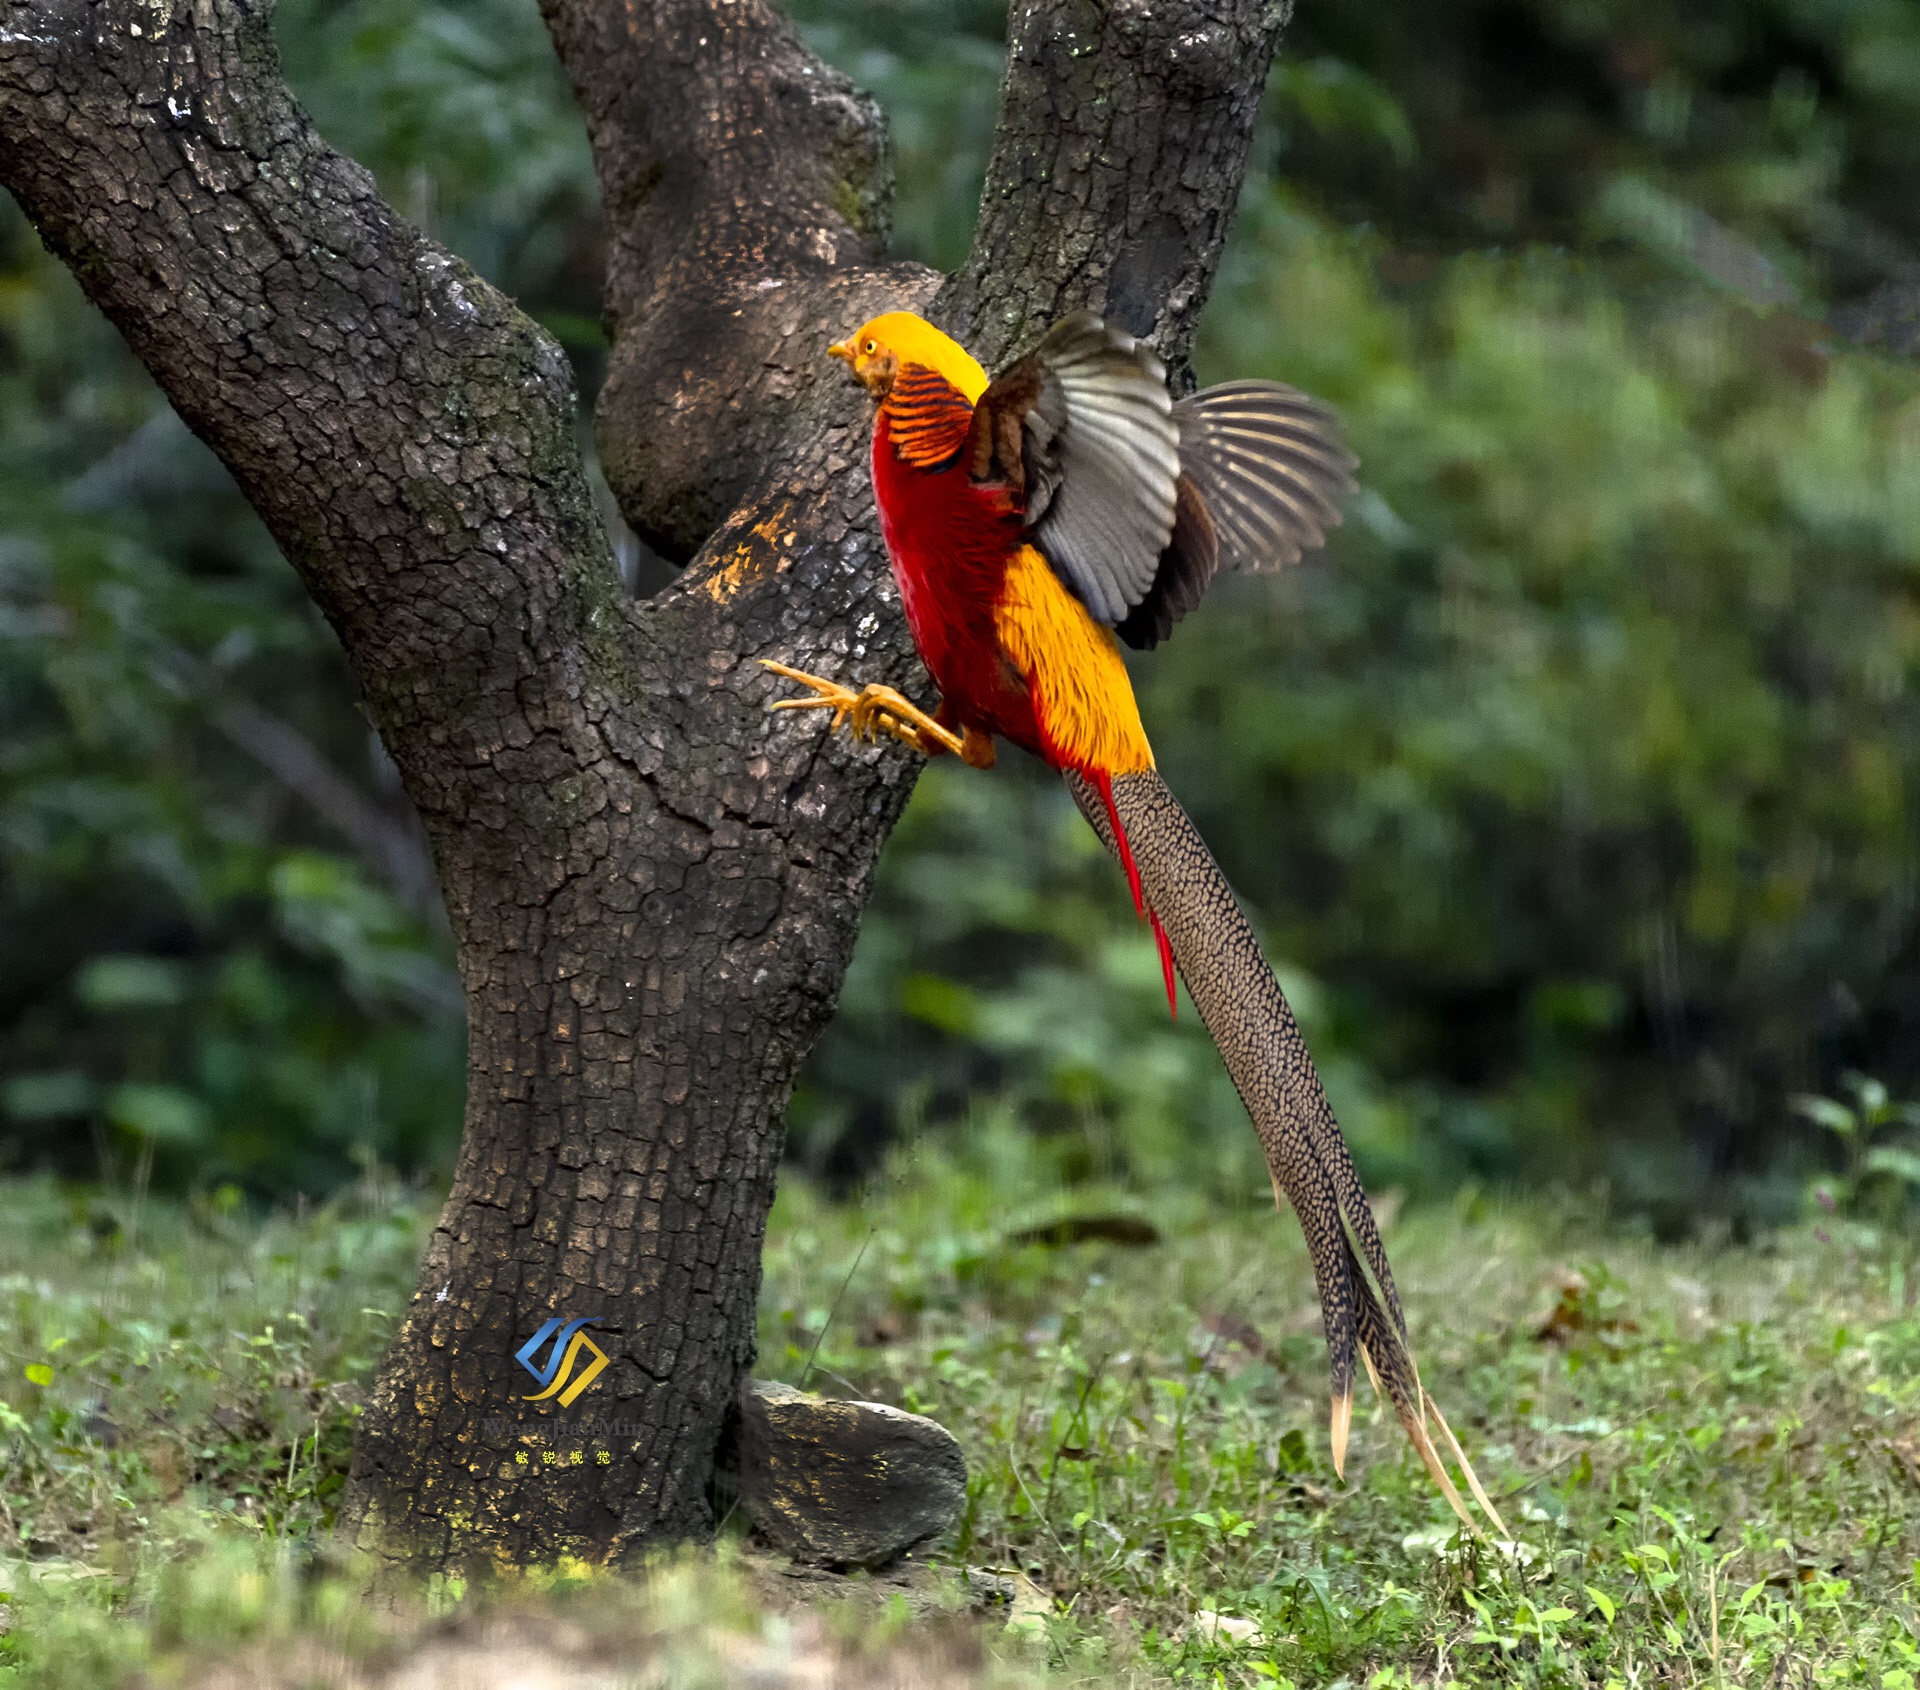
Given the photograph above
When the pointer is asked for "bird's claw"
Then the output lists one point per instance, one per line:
(869, 712)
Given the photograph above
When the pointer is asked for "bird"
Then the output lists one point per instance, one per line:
(1035, 523)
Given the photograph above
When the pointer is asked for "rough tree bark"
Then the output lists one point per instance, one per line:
(654, 886)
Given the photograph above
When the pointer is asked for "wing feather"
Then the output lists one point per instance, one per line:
(1272, 466)
(1269, 469)
(1137, 501)
(1100, 457)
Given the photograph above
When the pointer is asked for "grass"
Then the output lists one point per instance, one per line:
(1710, 1454)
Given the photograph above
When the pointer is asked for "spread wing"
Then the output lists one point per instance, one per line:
(1082, 429)
(1139, 502)
(1263, 473)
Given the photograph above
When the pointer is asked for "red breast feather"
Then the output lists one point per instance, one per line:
(950, 541)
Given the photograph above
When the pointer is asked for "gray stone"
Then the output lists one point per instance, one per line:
(844, 1484)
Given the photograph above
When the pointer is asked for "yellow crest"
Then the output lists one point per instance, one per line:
(913, 340)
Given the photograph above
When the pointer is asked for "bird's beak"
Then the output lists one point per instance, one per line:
(843, 350)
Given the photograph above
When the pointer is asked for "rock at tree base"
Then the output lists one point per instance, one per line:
(847, 1484)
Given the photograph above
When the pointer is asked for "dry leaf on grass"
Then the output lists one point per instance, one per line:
(1208, 1627)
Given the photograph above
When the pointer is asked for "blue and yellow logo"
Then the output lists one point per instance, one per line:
(569, 1342)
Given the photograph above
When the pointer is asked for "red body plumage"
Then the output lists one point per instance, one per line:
(950, 542)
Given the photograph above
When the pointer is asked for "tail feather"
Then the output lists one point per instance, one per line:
(1244, 1009)
(1117, 842)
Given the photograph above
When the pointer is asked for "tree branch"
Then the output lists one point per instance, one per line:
(740, 175)
(1121, 147)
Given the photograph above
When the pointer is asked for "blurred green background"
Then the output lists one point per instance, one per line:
(1574, 788)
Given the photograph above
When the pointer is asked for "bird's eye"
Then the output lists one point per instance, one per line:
(871, 347)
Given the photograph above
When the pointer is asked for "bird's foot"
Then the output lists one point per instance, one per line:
(869, 712)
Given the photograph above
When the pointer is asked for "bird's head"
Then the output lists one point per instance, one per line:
(868, 352)
(875, 351)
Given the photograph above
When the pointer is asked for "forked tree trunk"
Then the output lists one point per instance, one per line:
(654, 886)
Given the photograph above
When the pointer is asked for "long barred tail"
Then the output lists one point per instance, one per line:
(1244, 1009)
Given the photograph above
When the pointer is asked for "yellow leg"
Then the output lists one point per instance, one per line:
(872, 710)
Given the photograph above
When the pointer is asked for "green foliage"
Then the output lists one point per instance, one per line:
(1706, 1454)
(934, 65)
(196, 981)
(1880, 1174)
(1000, 960)
(1765, 145)
(174, 1370)
(1596, 735)
(463, 113)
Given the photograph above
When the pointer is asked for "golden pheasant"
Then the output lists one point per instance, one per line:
(1033, 523)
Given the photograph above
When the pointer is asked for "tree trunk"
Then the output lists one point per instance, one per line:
(654, 885)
